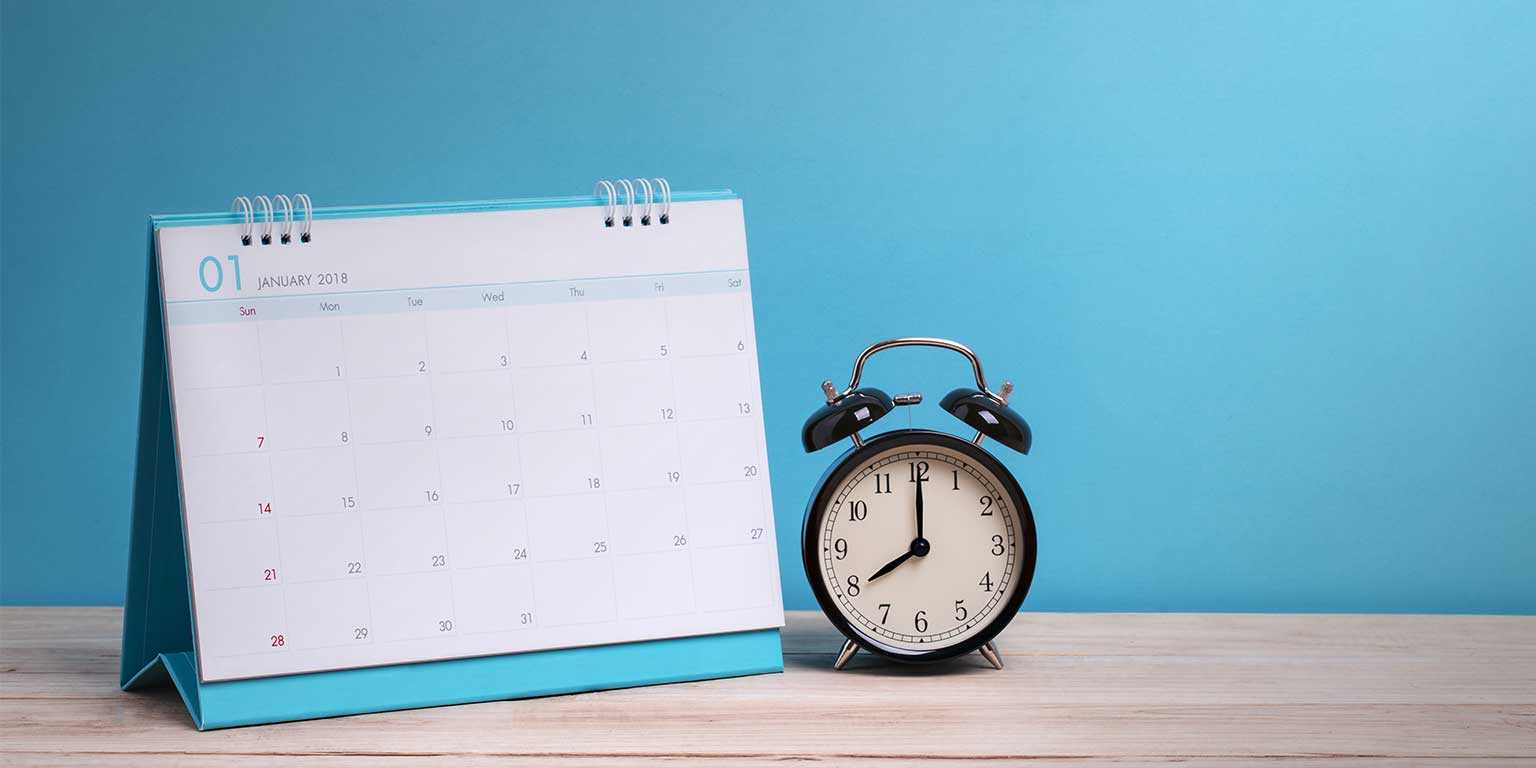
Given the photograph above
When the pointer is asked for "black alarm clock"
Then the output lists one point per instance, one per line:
(919, 545)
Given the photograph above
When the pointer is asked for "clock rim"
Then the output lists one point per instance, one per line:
(856, 457)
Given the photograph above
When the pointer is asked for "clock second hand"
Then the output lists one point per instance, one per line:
(919, 546)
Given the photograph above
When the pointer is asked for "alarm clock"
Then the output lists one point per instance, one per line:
(919, 545)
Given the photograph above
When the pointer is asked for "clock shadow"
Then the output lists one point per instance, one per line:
(866, 664)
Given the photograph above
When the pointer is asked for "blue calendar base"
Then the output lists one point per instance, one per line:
(158, 642)
(460, 681)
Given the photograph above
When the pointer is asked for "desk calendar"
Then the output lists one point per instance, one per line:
(492, 449)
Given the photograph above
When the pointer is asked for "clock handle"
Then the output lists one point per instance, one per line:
(918, 341)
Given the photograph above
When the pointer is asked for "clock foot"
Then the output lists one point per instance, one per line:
(843, 656)
(989, 652)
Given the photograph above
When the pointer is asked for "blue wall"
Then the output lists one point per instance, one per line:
(1264, 271)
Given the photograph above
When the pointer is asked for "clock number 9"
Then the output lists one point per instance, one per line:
(841, 548)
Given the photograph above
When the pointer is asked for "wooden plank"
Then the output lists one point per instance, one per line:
(42, 760)
(1132, 688)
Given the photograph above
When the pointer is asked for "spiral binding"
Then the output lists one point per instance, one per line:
(266, 208)
(632, 191)
(652, 197)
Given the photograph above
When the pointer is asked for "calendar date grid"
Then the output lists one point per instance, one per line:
(354, 440)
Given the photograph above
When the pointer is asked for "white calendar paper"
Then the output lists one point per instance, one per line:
(426, 437)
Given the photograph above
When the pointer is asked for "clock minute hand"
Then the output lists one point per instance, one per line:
(920, 508)
(891, 566)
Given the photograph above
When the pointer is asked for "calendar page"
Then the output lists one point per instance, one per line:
(436, 436)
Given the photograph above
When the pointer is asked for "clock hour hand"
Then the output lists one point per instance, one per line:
(891, 566)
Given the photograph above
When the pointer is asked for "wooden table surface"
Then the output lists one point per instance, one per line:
(1194, 689)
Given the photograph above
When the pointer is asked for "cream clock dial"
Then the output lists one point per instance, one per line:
(923, 545)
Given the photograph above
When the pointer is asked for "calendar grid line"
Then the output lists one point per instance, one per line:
(586, 623)
(277, 530)
(466, 286)
(527, 564)
(765, 490)
(362, 530)
(597, 415)
(595, 427)
(510, 368)
(531, 561)
(489, 632)
(437, 456)
(365, 510)
(693, 577)
(737, 609)
(533, 592)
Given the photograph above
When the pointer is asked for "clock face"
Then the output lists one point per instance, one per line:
(922, 544)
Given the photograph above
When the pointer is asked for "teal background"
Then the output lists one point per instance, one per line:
(1264, 272)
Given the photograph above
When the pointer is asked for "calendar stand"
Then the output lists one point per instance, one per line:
(158, 639)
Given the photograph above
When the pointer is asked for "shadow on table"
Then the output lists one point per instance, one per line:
(868, 664)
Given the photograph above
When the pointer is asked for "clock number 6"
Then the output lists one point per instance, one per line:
(920, 621)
